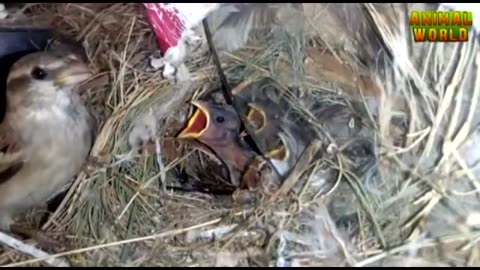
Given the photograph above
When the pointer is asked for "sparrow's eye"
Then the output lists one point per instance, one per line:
(220, 119)
(39, 73)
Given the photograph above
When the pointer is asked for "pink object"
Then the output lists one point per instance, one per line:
(172, 22)
(166, 24)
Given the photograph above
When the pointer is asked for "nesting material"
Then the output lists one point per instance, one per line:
(404, 192)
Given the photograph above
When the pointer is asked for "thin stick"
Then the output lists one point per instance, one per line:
(31, 250)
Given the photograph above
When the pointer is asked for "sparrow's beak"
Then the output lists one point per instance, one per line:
(198, 122)
(257, 118)
(74, 74)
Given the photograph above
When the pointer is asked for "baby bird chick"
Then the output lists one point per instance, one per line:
(279, 140)
(53, 127)
(266, 112)
(217, 126)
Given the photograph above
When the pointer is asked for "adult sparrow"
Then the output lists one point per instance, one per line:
(52, 126)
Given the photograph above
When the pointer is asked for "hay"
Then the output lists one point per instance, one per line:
(413, 200)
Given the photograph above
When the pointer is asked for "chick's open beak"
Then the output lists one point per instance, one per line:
(280, 153)
(75, 73)
(257, 118)
(197, 123)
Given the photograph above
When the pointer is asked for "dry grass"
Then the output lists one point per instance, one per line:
(413, 202)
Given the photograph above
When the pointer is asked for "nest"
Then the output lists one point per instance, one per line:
(411, 200)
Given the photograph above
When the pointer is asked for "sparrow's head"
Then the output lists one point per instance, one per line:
(44, 74)
(212, 124)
